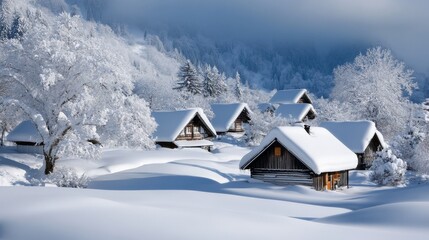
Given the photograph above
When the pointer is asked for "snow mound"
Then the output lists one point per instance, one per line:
(404, 215)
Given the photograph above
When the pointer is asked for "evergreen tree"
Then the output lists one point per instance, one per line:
(238, 88)
(189, 80)
(214, 83)
(17, 28)
(4, 29)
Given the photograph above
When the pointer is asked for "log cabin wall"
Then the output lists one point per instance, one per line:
(370, 152)
(304, 99)
(270, 159)
(195, 130)
(278, 166)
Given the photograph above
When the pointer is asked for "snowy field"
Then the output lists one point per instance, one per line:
(193, 194)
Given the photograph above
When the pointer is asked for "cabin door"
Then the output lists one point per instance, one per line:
(327, 181)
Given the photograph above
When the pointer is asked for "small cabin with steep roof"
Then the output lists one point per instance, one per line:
(301, 156)
(230, 117)
(296, 112)
(26, 137)
(188, 128)
(291, 96)
(362, 137)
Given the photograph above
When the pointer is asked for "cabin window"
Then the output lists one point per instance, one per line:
(182, 133)
(188, 130)
(238, 125)
(196, 129)
(277, 151)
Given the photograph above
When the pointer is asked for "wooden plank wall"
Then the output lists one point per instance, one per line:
(267, 159)
(283, 177)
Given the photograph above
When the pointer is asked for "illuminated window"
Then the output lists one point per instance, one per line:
(277, 151)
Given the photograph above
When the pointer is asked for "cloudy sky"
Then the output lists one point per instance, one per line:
(402, 25)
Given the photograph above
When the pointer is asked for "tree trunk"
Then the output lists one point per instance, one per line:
(49, 164)
(3, 132)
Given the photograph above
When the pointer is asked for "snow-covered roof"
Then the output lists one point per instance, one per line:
(193, 143)
(171, 123)
(295, 112)
(226, 114)
(26, 131)
(289, 96)
(356, 135)
(319, 150)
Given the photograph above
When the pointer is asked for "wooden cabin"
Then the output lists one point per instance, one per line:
(26, 137)
(362, 137)
(230, 117)
(296, 112)
(188, 128)
(301, 156)
(291, 96)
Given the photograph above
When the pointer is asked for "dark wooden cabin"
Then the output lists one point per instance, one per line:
(230, 117)
(188, 128)
(367, 157)
(276, 164)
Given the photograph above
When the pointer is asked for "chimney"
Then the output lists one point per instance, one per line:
(307, 128)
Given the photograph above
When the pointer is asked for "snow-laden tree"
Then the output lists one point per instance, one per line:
(214, 83)
(73, 79)
(189, 80)
(405, 143)
(420, 161)
(332, 110)
(375, 84)
(238, 89)
(388, 169)
(260, 125)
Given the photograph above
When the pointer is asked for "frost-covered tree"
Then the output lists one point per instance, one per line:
(332, 110)
(189, 80)
(420, 161)
(260, 125)
(214, 83)
(17, 28)
(238, 86)
(387, 169)
(74, 78)
(375, 84)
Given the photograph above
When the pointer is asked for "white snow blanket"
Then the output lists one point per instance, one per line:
(356, 135)
(226, 114)
(171, 123)
(288, 96)
(319, 150)
(294, 112)
(26, 131)
(193, 143)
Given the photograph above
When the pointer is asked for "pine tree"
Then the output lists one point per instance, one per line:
(238, 88)
(17, 28)
(189, 80)
(4, 29)
(214, 83)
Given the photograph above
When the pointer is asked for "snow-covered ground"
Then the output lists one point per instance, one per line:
(193, 194)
